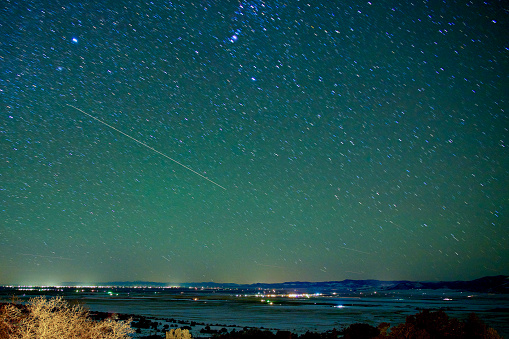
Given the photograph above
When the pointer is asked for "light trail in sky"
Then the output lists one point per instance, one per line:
(45, 256)
(352, 249)
(144, 144)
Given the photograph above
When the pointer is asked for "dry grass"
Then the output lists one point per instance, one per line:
(55, 319)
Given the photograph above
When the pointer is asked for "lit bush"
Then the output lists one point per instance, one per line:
(55, 319)
(178, 334)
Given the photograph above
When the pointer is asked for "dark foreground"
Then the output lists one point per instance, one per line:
(425, 324)
(57, 313)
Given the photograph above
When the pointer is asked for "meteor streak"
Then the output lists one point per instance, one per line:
(352, 249)
(144, 144)
(45, 256)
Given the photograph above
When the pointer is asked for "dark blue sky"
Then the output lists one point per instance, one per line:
(357, 140)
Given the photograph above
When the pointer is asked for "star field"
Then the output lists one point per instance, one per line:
(363, 140)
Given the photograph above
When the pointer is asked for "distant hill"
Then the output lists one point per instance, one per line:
(492, 284)
(118, 284)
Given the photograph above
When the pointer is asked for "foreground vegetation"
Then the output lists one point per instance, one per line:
(55, 319)
(424, 325)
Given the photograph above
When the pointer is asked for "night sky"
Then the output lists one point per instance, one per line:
(353, 140)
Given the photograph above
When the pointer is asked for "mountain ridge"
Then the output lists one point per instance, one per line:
(488, 284)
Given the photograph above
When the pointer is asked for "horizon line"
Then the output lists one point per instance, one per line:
(141, 283)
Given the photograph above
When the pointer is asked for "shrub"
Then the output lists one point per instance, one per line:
(361, 331)
(178, 334)
(54, 319)
(438, 324)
